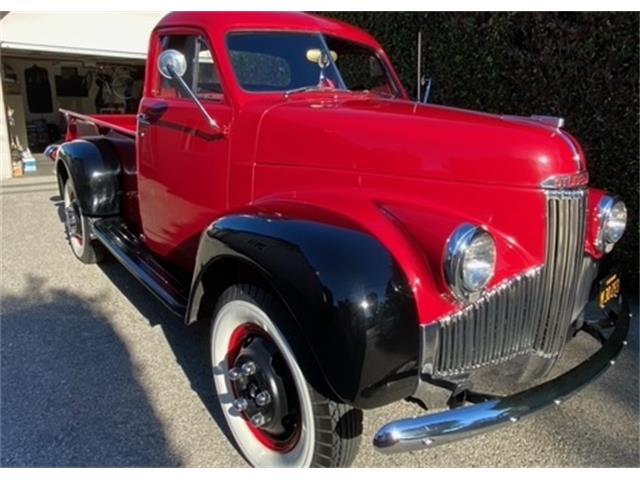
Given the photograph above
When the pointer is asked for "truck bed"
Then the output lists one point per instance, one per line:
(122, 124)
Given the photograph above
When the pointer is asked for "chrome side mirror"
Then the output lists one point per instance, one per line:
(173, 65)
(172, 61)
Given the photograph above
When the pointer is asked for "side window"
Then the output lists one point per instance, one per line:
(201, 74)
(207, 84)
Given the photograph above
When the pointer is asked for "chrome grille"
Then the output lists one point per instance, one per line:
(565, 251)
(530, 313)
(496, 328)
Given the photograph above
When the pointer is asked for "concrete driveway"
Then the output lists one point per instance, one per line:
(95, 372)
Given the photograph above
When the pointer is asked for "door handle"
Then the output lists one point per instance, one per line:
(143, 120)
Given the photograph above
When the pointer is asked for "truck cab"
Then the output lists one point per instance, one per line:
(349, 246)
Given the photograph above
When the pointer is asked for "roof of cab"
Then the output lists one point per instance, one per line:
(223, 22)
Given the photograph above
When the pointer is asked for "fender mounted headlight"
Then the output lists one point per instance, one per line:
(612, 221)
(469, 261)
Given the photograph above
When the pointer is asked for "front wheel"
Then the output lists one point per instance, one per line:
(275, 416)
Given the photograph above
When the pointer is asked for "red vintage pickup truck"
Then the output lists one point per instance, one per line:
(349, 246)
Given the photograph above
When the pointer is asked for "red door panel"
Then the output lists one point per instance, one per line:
(182, 176)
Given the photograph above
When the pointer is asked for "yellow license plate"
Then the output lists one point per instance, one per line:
(609, 290)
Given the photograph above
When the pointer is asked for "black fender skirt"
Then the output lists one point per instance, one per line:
(354, 314)
(94, 169)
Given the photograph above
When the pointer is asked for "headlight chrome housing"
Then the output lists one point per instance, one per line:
(469, 261)
(612, 221)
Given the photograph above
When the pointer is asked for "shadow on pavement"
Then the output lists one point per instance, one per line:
(70, 396)
(57, 202)
(190, 344)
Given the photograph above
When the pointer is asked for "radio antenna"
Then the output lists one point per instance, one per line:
(419, 69)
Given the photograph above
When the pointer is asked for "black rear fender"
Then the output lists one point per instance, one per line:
(94, 168)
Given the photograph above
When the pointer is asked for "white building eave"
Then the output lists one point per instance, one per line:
(17, 47)
(96, 34)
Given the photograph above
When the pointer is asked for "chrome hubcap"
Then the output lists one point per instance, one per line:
(73, 220)
(72, 217)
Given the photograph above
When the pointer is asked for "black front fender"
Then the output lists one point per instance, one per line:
(349, 298)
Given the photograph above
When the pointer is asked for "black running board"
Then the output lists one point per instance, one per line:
(134, 256)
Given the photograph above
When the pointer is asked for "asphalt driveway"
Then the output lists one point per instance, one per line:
(95, 372)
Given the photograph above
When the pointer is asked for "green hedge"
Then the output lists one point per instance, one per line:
(580, 66)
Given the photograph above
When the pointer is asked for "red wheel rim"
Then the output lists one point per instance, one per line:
(270, 442)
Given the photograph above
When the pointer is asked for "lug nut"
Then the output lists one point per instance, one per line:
(240, 404)
(258, 420)
(263, 398)
(248, 368)
(235, 374)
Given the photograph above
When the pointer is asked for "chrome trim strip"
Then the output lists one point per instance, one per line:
(430, 338)
(555, 122)
(575, 154)
(440, 428)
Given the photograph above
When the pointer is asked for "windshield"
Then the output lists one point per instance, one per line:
(290, 61)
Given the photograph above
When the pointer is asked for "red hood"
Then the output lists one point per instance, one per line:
(401, 138)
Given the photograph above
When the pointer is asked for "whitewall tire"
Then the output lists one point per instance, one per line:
(320, 432)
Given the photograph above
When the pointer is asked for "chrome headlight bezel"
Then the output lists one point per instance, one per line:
(609, 210)
(459, 246)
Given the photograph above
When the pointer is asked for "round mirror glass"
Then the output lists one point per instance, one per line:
(172, 60)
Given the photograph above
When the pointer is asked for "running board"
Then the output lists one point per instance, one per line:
(134, 256)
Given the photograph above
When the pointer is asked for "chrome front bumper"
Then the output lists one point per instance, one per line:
(459, 423)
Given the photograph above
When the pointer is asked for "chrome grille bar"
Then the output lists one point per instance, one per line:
(565, 251)
(530, 313)
(494, 329)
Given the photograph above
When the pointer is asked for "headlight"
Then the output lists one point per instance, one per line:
(612, 220)
(469, 261)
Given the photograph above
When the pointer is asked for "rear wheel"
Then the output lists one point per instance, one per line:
(276, 417)
(77, 227)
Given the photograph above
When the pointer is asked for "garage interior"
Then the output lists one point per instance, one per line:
(43, 69)
(37, 85)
